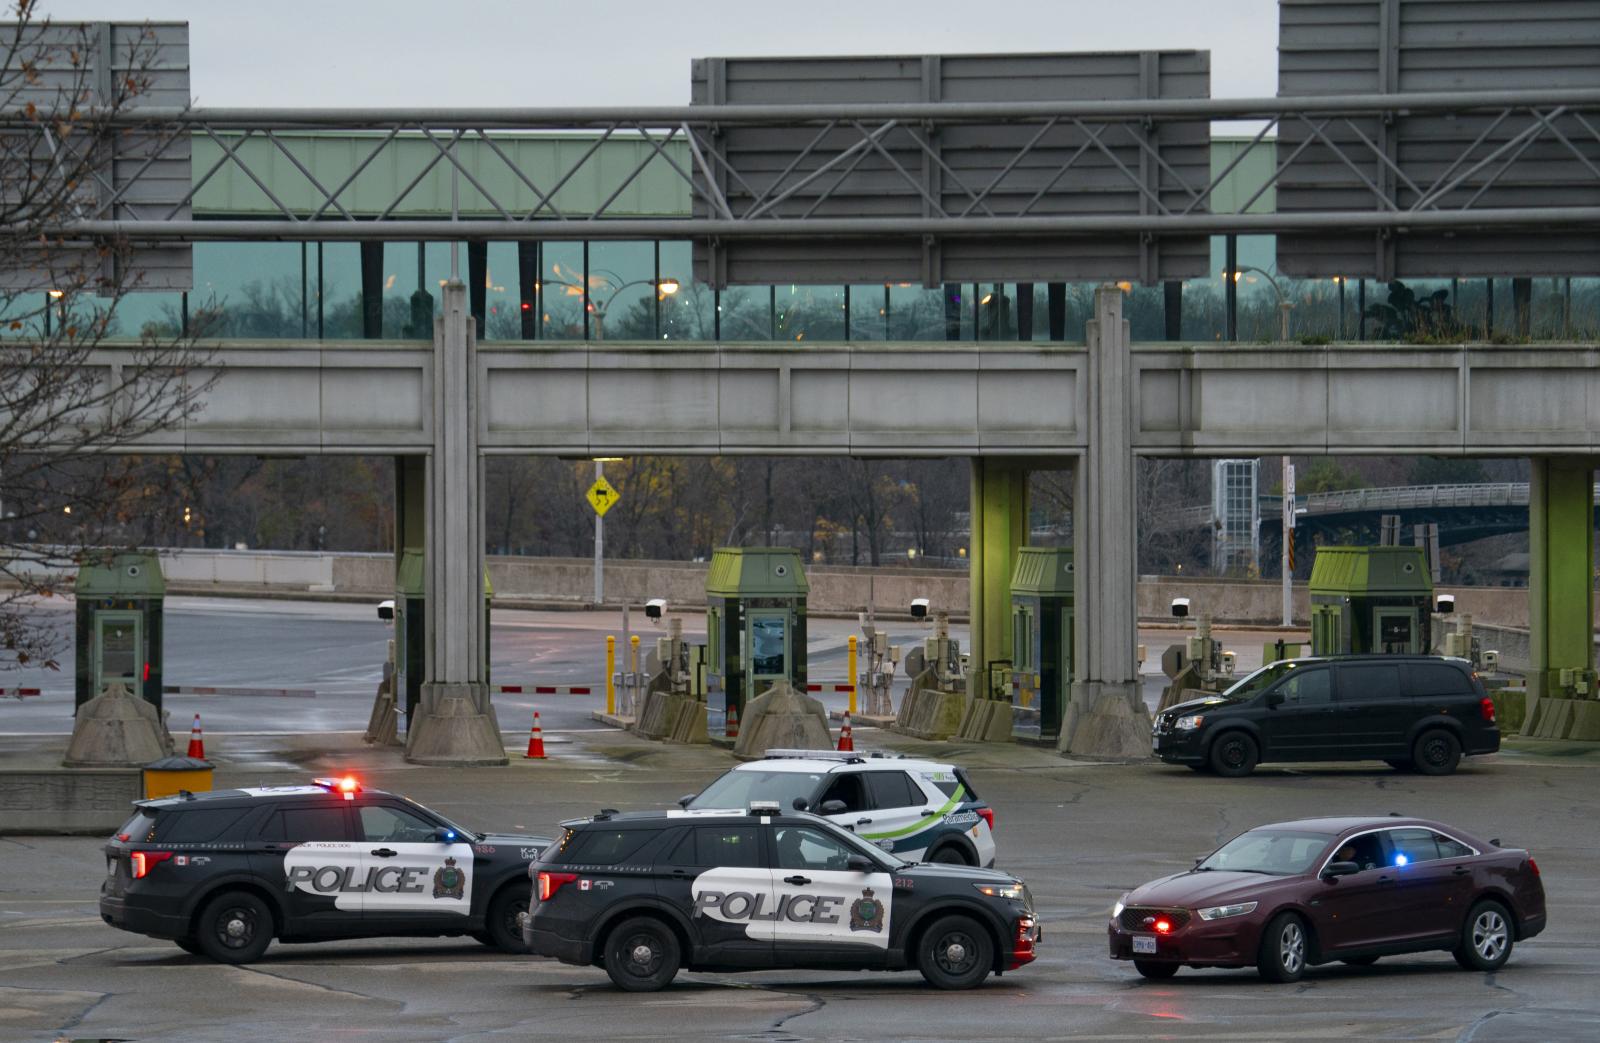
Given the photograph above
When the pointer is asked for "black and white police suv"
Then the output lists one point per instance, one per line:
(646, 893)
(921, 810)
(225, 872)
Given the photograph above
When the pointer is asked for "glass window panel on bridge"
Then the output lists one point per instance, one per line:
(809, 313)
(622, 291)
(869, 312)
(690, 313)
(502, 295)
(249, 290)
(562, 298)
(915, 313)
(339, 265)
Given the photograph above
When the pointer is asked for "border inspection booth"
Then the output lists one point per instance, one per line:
(119, 608)
(1041, 633)
(1370, 599)
(755, 623)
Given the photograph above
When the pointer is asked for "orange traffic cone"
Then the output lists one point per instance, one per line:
(535, 740)
(846, 743)
(197, 744)
(733, 721)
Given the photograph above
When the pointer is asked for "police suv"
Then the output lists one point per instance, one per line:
(644, 894)
(921, 810)
(223, 873)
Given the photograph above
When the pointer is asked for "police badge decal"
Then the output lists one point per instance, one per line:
(866, 913)
(449, 881)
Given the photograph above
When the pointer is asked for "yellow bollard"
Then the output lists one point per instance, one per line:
(851, 666)
(633, 655)
(611, 670)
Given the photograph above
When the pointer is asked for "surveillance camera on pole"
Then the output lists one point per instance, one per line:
(386, 609)
(1444, 604)
(655, 608)
(1180, 608)
(919, 608)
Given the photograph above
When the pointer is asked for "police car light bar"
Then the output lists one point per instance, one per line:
(843, 757)
(346, 785)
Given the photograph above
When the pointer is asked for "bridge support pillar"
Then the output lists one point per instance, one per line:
(455, 723)
(1560, 580)
(1106, 716)
(999, 527)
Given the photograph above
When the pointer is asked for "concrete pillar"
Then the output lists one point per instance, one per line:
(455, 721)
(1560, 574)
(999, 526)
(1106, 715)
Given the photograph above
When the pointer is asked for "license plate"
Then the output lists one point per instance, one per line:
(1144, 944)
(111, 867)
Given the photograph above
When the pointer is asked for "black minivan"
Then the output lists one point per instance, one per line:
(1415, 712)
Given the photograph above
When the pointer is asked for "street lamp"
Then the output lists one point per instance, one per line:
(664, 288)
(1284, 304)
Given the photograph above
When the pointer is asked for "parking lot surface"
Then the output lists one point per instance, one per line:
(1080, 833)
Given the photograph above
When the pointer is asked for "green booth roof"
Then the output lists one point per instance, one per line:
(121, 574)
(742, 572)
(1044, 571)
(1361, 571)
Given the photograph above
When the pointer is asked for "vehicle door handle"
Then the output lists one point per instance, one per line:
(925, 812)
(863, 822)
(1460, 871)
(798, 881)
(383, 852)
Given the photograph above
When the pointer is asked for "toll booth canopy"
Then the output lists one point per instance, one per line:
(755, 622)
(1370, 599)
(1041, 637)
(118, 633)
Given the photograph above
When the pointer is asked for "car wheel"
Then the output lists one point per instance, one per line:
(1437, 752)
(950, 855)
(955, 953)
(1486, 938)
(1234, 754)
(503, 926)
(1399, 765)
(1155, 971)
(642, 955)
(234, 927)
(1361, 961)
(1283, 949)
(189, 945)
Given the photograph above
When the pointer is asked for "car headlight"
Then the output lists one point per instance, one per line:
(1189, 723)
(1220, 912)
(1012, 890)
(1118, 906)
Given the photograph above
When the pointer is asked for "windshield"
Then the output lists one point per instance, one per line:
(737, 789)
(1276, 852)
(1261, 680)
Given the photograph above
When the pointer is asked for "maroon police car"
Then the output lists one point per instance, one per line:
(1295, 894)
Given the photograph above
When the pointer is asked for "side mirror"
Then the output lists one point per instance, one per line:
(685, 800)
(1335, 870)
(1198, 859)
(1274, 699)
(833, 807)
(800, 804)
(859, 864)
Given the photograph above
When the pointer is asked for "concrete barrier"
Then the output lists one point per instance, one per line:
(68, 800)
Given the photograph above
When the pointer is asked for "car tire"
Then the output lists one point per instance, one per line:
(1234, 754)
(1486, 938)
(955, 952)
(950, 855)
(1399, 764)
(1436, 752)
(501, 928)
(1284, 947)
(189, 945)
(642, 955)
(1360, 961)
(234, 927)
(1155, 971)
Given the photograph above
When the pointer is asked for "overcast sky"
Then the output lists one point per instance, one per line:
(637, 52)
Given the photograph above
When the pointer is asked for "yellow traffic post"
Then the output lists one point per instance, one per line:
(633, 656)
(851, 666)
(611, 674)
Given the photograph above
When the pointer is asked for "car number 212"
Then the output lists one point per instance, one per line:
(1144, 944)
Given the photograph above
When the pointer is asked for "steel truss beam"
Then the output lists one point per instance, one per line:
(833, 141)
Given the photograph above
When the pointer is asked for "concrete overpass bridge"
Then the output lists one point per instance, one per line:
(944, 176)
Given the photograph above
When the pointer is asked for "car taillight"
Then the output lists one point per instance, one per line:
(550, 883)
(1486, 707)
(987, 814)
(1532, 865)
(144, 861)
